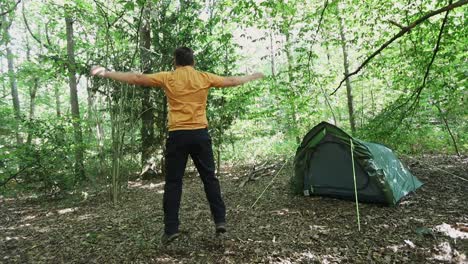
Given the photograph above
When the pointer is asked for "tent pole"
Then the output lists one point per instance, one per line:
(355, 186)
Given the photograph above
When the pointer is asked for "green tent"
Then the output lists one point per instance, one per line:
(323, 166)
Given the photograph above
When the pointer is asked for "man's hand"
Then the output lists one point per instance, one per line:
(98, 71)
(239, 80)
(257, 75)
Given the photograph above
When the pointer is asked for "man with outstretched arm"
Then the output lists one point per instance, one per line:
(186, 90)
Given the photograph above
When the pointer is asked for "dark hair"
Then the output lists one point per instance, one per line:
(183, 56)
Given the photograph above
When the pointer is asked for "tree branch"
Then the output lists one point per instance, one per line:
(325, 5)
(416, 94)
(26, 23)
(426, 75)
(36, 38)
(396, 24)
(400, 34)
(13, 176)
(106, 17)
(11, 9)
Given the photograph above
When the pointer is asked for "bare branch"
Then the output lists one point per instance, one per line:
(416, 94)
(395, 24)
(48, 46)
(11, 9)
(13, 176)
(400, 34)
(325, 5)
(119, 16)
(29, 29)
(426, 75)
(46, 30)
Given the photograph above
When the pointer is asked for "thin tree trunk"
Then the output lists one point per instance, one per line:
(75, 110)
(363, 107)
(336, 115)
(90, 99)
(442, 116)
(289, 58)
(100, 139)
(373, 103)
(223, 102)
(165, 64)
(218, 152)
(335, 121)
(32, 106)
(272, 55)
(115, 133)
(12, 77)
(163, 133)
(328, 53)
(147, 116)
(4, 86)
(95, 118)
(349, 91)
(58, 104)
(14, 92)
(32, 93)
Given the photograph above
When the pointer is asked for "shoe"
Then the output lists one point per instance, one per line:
(166, 239)
(221, 228)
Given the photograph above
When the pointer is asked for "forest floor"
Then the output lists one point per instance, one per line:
(281, 228)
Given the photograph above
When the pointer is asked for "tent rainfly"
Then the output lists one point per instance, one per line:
(323, 166)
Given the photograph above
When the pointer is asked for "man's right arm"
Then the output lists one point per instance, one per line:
(126, 77)
(239, 80)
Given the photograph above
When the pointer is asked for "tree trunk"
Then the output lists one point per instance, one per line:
(327, 101)
(32, 105)
(14, 92)
(58, 104)
(218, 154)
(363, 107)
(75, 110)
(272, 55)
(163, 131)
(373, 103)
(4, 86)
(116, 144)
(12, 77)
(32, 92)
(95, 119)
(442, 116)
(349, 91)
(90, 99)
(289, 58)
(147, 115)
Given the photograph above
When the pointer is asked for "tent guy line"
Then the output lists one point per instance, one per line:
(437, 168)
(271, 182)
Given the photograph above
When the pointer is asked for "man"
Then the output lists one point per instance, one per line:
(187, 91)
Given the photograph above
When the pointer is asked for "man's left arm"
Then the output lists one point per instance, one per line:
(231, 81)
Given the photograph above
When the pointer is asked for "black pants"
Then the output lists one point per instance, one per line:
(197, 144)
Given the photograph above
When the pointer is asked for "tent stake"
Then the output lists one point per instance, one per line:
(355, 186)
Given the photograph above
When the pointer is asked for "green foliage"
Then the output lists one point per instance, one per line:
(296, 42)
(45, 165)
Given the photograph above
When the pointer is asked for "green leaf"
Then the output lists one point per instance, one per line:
(130, 6)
